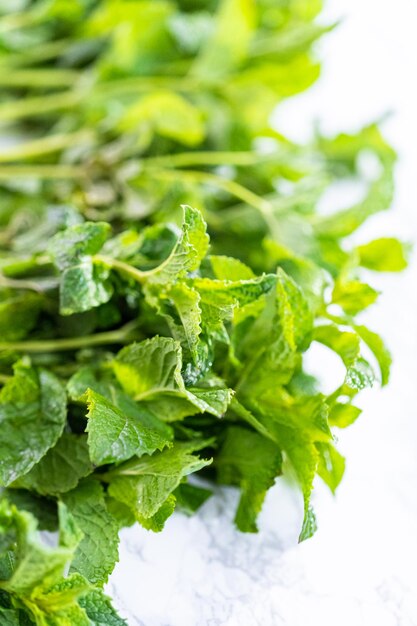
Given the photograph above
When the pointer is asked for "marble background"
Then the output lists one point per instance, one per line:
(360, 569)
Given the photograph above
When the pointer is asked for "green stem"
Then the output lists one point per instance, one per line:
(27, 107)
(21, 283)
(126, 333)
(42, 52)
(185, 159)
(67, 99)
(235, 189)
(41, 171)
(120, 266)
(45, 145)
(39, 78)
(145, 83)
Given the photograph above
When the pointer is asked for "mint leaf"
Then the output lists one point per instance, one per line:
(84, 285)
(97, 553)
(32, 417)
(383, 255)
(146, 484)
(252, 462)
(99, 610)
(150, 371)
(116, 435)
(61, 468)
(331, 465)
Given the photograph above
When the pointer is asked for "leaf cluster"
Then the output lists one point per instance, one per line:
(144, 341)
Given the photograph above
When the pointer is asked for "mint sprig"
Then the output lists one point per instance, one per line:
(142, 340)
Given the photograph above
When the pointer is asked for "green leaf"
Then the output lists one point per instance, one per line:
(32, 417)
(383, 255)
(116, 435)
(99, 610)
(150, 371)
(343, 414)
(229, 268)
(345, 222)
(149, 367)
(18, 314)
(35, 566)
(353, 296)
(331, 465)
(346, 344)
(222, 53)
(9, 617)
(380, 351)
(61, 468)
(146, 484)
(188, 252)
(97, 553)
(190, 497)
(252, 462)
(179, 304)
(168, 114)
(304, 458)
(157, 521)
(84, 285)
(72, 245)
(42, 509)
(226, 293)
(294, 311)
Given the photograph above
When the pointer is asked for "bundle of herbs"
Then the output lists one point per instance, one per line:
(144, 341)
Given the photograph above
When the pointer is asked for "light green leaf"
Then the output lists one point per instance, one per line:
(35, 566)
(145, 484)
(84, 285)
(149, 367)
(226, 293)
(168, 114)
(179, 305)
(331, 465)
(304, 458)
(222, 52)
(99, 610)
(32, 417)
(150, 371)
(345, 222)
(190, 497)
(157, 521)
(188, 252)
(61, 468)
(69, 247)
(97, 553)
(116, 434)
(252, 462)
(353, 296)
(380, 351)
(295, 314)
(383, 255)
(346, 344)
(343, 414)
(230, 269)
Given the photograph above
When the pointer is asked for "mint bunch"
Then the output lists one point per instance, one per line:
(142, 340)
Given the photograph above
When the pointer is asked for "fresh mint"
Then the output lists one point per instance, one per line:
(165, 264)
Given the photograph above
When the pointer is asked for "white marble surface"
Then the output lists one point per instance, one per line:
(360, 569)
